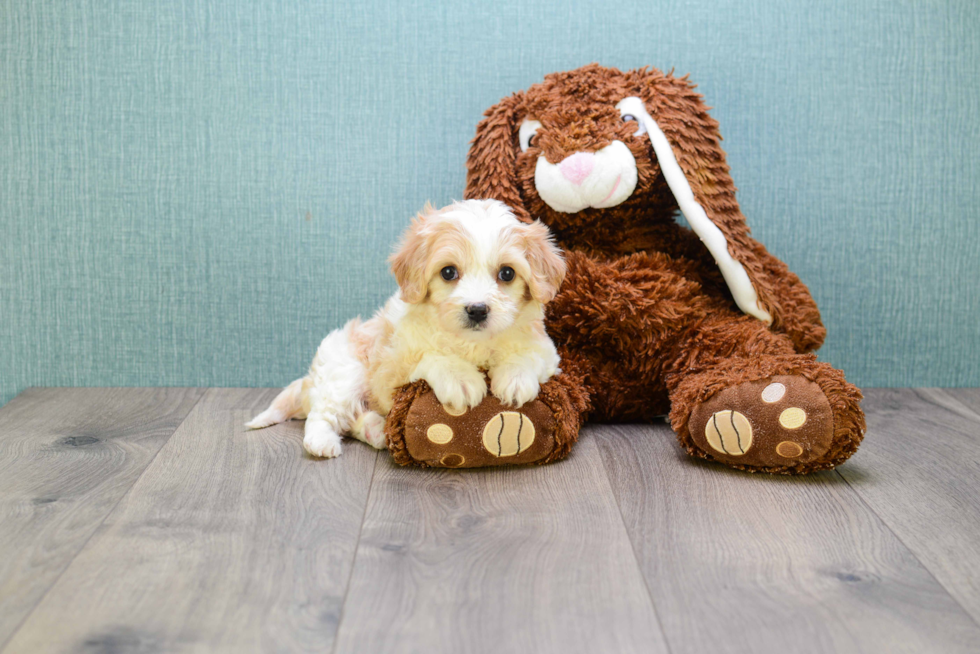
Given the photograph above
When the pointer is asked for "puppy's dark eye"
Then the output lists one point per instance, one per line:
(531, 139)
(628, 117)
(449, 273)
(506, 274)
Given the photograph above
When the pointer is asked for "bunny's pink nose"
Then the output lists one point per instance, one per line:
(577, 167)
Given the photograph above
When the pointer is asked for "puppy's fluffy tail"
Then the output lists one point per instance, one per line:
(287, 405)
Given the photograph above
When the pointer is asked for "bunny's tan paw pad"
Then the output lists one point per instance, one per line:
(785, 420)
(489, 434)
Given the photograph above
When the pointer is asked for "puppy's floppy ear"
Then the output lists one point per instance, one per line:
(545, 260)
(410, 261)
(693, 151)
(491, 165)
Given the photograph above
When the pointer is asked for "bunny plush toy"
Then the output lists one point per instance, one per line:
(654, 318)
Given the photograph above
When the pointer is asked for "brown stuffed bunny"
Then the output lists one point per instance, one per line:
(653, 317)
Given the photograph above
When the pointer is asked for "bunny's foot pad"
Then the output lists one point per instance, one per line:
(423, 432)
(783, 421)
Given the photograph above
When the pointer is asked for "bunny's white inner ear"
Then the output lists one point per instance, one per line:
(735, 276)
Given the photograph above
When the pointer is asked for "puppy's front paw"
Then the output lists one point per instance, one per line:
(460, 390)
(514, 386)
(319, 439)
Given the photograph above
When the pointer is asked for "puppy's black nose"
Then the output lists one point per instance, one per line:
(477, 312)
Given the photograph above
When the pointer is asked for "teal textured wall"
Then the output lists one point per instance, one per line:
(195, 192)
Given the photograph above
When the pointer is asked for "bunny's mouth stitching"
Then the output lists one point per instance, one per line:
(615, 186)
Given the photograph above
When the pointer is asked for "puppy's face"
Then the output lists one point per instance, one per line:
(477, 266)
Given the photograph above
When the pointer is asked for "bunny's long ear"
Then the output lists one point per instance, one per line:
(687, 143)
(491, 166)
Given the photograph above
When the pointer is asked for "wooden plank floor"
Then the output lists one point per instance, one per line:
(67, 456)
(148, 520)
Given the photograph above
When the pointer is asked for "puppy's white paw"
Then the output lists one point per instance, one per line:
(514, 386)
(319, 439)
(370, 428)
(459, 390)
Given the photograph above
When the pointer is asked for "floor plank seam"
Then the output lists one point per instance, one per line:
(357, 548)
(636, 558)
(969, 409)
(911, 552)
(20, 625)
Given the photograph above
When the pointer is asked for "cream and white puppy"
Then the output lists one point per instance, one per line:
(473, 281)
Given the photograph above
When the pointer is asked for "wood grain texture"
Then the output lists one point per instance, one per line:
(738, 562)
(919, 469)
(231, 541)
(216, 539)
(968, 396)
(513, 560)
(67, 456)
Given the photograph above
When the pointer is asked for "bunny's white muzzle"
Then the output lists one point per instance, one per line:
(599, 179)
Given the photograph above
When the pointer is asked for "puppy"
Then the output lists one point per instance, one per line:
(473, 281)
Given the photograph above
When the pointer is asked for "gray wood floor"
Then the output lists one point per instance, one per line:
(148, 520)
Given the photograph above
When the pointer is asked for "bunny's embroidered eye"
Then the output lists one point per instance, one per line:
(527, 132)
(631, 118)
(449, 273)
